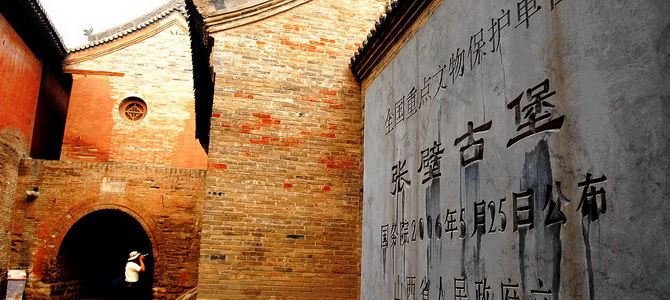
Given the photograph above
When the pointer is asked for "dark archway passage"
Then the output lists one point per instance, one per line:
(94, 253)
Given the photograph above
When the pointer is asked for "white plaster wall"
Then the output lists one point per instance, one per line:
(608, 63)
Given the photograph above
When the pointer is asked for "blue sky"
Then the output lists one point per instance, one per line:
(71, 17)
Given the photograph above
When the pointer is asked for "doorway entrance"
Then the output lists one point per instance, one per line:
(94, 252)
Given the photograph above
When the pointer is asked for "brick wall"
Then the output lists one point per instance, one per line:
(153, 64)
(90, 122)
(165, 201)
(20, 73)
(12, 149)
(282, 211)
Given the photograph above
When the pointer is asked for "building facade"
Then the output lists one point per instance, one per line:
(270, 188)
(308, 149)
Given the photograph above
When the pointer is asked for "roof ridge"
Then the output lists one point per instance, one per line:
(133, 25)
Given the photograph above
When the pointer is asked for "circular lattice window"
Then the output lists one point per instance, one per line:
(133, 109)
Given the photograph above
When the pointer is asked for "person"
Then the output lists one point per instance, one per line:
(134, 266)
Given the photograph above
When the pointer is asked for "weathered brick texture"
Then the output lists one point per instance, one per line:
(165, 201)
(20, 76)
(282, 212)
(12, 149)
(153, 64)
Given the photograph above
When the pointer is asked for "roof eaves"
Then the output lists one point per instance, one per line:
(49, 32)
(134, 25)
(389, 29)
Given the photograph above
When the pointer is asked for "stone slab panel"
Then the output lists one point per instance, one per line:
(519, 149)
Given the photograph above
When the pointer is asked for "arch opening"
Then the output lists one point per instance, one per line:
(93, 255)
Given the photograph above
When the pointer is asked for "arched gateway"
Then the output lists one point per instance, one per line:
(76, 236)
(93, 254)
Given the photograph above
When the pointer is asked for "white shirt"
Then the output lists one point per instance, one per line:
(132, 272)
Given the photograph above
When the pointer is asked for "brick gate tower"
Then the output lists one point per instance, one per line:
(131, 172)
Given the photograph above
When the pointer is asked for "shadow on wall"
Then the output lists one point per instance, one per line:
(93, 255)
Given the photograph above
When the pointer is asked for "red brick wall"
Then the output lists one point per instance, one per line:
(166, 201)
(20, 76)
(89, 124)
(153, 64)
(282, 213)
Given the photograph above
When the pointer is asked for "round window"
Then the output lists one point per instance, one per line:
(133, 109)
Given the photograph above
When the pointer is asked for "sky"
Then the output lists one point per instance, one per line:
(71, 17)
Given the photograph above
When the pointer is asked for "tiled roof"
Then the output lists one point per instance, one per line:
(383, 22)
(397, 19)
(134, 25)
(39, 17)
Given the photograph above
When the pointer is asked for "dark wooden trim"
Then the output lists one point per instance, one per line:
(92, 72)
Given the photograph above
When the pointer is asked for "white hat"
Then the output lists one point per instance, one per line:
(133, 255)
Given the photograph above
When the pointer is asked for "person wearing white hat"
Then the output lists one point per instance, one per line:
(134, 266)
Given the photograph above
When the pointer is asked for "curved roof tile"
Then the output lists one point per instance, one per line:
(397, 19)
(41, 19)
(383, 23)
(134, 25)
